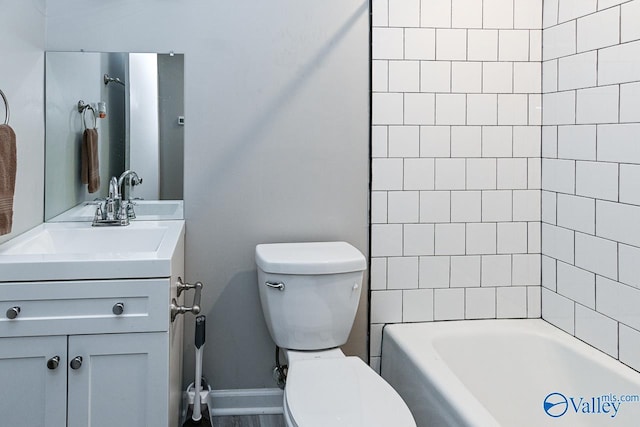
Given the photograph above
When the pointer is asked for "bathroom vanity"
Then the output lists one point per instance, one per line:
(86, 336)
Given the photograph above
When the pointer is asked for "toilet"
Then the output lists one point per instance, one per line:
(309, 294)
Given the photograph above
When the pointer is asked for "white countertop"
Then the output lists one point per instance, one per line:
(76, 250)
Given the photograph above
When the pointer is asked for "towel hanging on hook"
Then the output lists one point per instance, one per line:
(89, 164)
(8, 169)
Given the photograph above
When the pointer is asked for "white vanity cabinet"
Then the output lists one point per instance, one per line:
(100, 351)
(89, 353)
(122, 381)
(31, 394)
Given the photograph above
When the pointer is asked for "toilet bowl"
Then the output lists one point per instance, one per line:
(309, 294)
(341, 391)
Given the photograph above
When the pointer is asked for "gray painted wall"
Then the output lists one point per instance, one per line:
(276, 142)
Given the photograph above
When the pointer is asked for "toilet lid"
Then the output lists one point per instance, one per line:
(342, 392)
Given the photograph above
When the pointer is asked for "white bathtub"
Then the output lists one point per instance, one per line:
(487, 373)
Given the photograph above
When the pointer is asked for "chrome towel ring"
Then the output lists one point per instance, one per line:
(82, 109)
(7, 113)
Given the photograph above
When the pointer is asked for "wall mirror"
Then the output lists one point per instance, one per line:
(137, 100)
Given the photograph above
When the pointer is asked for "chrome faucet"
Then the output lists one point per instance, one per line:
(114, 188)
(134, 179)
(113, 211)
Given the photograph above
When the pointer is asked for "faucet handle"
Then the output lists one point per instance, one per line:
(123, 210)
(131, 214)
(109, 209)
(99, 213)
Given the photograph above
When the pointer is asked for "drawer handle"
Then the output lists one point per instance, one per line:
(181, 309)
(118, 308)
(13, 312)
(76, 362)
(53, 362)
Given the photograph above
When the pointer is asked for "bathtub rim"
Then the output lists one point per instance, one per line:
(470, 411)
(444, 381)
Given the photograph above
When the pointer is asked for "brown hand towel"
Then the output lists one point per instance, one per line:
(7, 177)
(90, 173)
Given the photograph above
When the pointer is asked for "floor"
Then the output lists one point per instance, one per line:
(249, 421)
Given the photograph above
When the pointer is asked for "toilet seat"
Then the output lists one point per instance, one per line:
(341, 392)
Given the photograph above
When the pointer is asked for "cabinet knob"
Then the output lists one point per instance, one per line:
(13, 312)
(53, 362)
(76, 362)
(118, 308)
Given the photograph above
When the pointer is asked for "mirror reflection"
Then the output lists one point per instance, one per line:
(108, 113)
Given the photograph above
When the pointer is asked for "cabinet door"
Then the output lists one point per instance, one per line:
(32, 394)
(121, 381)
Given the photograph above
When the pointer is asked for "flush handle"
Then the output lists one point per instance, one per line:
(275, 285)
(13, 312)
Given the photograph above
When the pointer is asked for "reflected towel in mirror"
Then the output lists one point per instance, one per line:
(90, 173)
(7, 177)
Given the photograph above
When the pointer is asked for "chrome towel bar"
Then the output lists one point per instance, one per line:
(181, 309)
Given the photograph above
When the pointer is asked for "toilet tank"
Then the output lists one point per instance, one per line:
(309, 292)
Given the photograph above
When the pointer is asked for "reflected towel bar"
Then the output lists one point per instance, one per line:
(108, 80)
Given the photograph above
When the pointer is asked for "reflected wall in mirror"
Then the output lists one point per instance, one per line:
(143, 129)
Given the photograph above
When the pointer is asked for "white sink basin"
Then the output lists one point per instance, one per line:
(76, 250)
(146, 210)
(51, 241)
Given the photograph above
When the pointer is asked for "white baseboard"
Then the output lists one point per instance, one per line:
(255, 401)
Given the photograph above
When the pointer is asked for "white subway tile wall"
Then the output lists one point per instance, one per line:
(456, 146)
(591, 173)
(462, 148)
